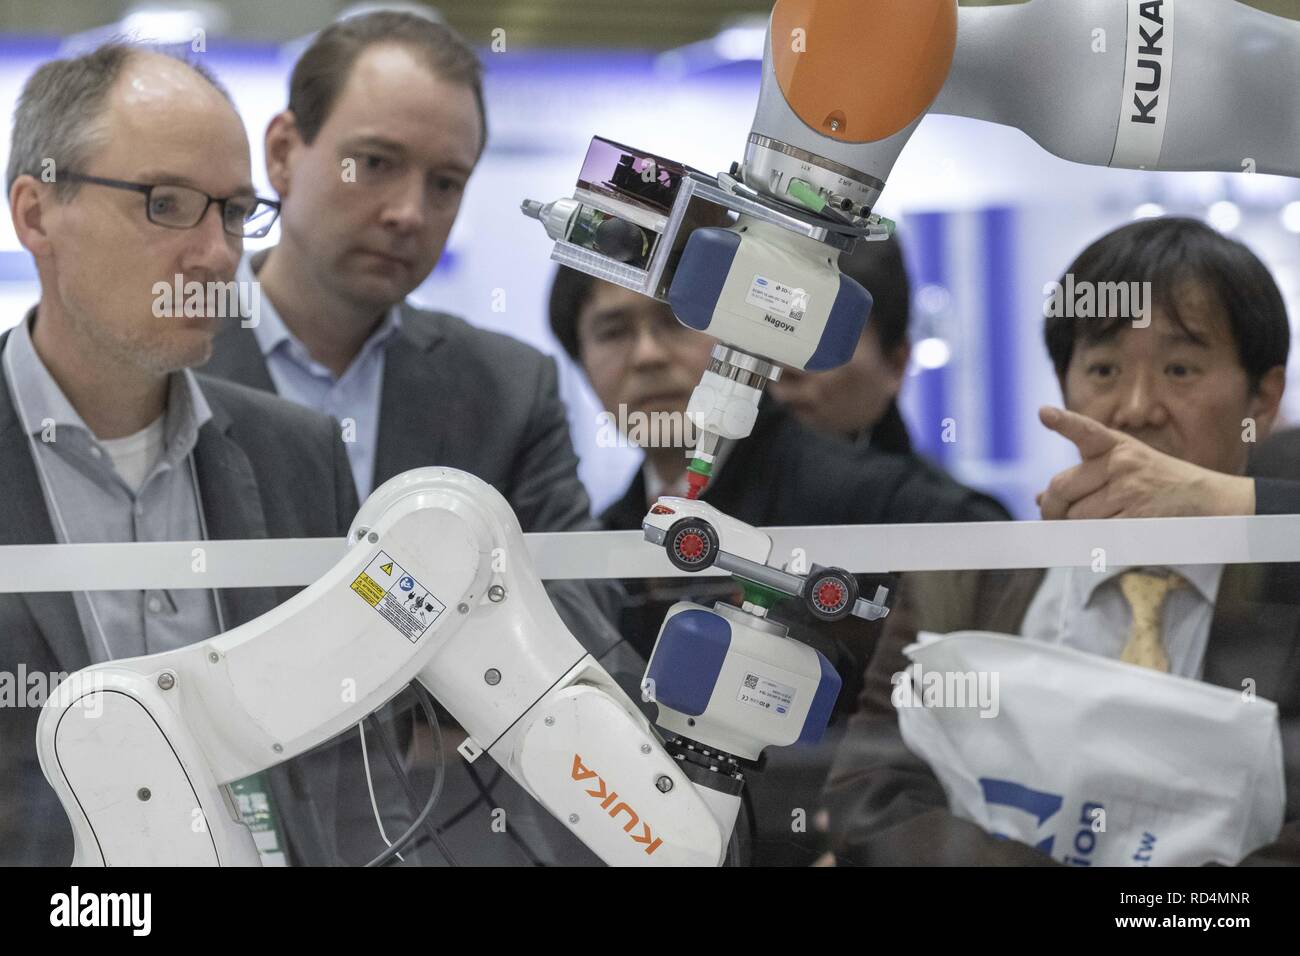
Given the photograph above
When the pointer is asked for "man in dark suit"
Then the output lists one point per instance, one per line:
(643, 363)
(1278, 457)
(384, 126)
(105, 433)
(252, 458)
(1197, 377)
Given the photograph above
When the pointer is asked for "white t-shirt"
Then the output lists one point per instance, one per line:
(135, 456)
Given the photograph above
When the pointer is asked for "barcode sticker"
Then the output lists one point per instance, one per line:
(782, 306)
(774, 697)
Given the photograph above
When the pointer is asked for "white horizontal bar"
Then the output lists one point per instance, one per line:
(625, 554)
(171, 564)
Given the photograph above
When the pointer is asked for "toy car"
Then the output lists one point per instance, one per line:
(695, 536)
(695, 532)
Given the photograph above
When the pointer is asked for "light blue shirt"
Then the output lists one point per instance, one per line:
(88, 501)
(1085, 609)
(352, 398)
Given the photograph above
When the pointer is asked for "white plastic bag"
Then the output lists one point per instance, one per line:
(1093, 761)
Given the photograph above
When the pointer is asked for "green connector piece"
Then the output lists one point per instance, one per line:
(760, 594)
(700, 467)
(805, 194)
(880, 222)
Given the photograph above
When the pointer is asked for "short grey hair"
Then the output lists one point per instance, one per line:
(60, 112)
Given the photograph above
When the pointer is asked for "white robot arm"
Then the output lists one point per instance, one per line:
(750, 256)
(1171, 85)
(1142, 84)
(437, 585)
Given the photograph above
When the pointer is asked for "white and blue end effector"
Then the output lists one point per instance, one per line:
(780, 298)
(759, 274)
(729, 683)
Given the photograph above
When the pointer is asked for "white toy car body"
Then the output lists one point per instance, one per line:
(734, 537)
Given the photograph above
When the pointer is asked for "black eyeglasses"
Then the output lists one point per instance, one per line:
(180, 207)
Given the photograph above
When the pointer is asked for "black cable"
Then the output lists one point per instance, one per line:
(464, 811)
(439, 778)
(486, 797)
(390, 752)
(430, 710)
(429, 707)
(406, 839)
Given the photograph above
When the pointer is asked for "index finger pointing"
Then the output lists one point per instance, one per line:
(1091, 437)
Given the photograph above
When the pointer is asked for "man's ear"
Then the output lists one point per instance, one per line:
(1267, 399)
(29, 204)
(283, 142)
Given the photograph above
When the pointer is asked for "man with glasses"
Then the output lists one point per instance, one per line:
(178, 206)
(118, 158)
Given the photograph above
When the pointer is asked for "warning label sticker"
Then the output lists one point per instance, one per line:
(773, 697)
(783, 306)
(398, 597)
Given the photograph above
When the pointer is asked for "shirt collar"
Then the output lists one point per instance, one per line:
(1204, 578)
(43, 402)
(187, 412)
(271, 332)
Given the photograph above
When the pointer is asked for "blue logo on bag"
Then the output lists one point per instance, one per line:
(1043, 806)
(1039, 804)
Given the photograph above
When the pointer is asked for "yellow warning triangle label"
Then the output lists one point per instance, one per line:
(387, 568)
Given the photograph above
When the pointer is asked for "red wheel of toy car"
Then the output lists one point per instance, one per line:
(692, 544)
(831, 593)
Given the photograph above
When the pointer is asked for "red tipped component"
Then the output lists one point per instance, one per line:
(695, 483)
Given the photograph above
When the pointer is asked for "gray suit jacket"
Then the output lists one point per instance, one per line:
(887, 808)
(253, 458)
(462, 397)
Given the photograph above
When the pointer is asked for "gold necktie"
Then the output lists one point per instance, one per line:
(1146, 592)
